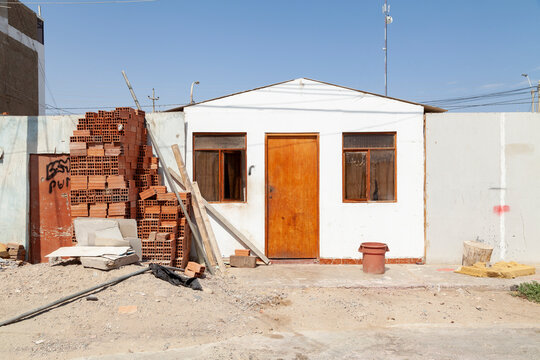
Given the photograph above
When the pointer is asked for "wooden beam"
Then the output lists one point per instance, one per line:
(196, 207)
(241, 238)
(211, 237)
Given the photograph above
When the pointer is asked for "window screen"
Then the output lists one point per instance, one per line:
(219, 142)
(368, 140)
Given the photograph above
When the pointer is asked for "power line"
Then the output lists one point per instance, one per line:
(488, 104)
(480, 96)
(114, 107)
(78, 2)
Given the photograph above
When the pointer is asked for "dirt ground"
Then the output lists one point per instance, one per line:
(168, 317)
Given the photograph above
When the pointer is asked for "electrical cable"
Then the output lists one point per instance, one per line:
(480, 96)
(78, 2)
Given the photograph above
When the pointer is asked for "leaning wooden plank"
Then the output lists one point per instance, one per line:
(211, 237)
(243, 240)
(196, 209)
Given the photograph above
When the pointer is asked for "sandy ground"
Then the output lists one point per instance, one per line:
(228, 309)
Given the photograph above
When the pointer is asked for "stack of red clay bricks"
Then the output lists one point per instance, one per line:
(162, 226)
(107, 151)
(111, 164)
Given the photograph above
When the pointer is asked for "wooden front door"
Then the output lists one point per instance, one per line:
(50, 221)
(292, 196)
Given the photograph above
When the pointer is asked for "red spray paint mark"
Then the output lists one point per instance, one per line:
(501, 209)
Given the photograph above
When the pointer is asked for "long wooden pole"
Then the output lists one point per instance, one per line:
(208, 226)
(198, 245)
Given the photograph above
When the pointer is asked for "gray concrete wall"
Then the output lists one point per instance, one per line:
(476, 165)
(21, 136)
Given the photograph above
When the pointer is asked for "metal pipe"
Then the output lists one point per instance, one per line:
(69, 297)
(131, 90)
(385, 49)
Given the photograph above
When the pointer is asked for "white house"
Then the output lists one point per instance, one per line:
(310, 170)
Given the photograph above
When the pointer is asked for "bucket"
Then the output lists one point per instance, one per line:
(373, 257)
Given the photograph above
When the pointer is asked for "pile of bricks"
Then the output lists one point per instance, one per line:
(194, 269)
(162, 226)
(111, 167)
(107, 153)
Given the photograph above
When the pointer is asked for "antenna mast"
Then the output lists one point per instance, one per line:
(387, 20)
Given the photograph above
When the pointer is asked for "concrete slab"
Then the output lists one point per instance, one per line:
(352, 276)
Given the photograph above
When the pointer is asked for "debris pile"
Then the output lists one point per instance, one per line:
(14, 251)
(111, 167)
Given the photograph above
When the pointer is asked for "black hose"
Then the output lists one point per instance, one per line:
(69, 297)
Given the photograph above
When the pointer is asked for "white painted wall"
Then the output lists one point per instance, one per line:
(305, 106)
(21, 136)
(476, 161)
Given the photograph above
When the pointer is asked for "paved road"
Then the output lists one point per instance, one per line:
(403, 342)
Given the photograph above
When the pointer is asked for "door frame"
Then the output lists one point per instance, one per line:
(301, 134)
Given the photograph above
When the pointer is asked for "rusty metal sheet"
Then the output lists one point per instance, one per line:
(50, 220)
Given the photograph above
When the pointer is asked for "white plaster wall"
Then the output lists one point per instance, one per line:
(21, 136)
(304, 106)
(168, 129)
(474, 162)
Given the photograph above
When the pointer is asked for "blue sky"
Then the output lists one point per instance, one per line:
(437, 49)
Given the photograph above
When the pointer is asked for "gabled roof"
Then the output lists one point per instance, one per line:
(427, 108)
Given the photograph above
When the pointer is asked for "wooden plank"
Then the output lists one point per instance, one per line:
(213, 242)
(241, 238)
(196, 208)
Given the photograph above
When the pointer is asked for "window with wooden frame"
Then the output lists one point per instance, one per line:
(369, 167)
(219, 166)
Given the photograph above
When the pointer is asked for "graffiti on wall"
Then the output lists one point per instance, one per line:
(54, 168)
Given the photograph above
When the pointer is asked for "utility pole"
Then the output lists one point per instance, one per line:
(154, 99)
(538, 95)
(387, 20)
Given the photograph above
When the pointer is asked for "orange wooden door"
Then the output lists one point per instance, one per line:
(50, 221)
(292, 196)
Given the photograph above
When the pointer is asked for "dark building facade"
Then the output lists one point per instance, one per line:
(22, 67)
